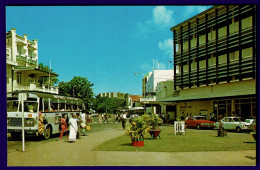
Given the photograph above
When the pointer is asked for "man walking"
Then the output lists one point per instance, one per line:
(73, 129)
(123, 119)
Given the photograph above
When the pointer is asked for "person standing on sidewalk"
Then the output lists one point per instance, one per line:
(78, 124)
(64, 127)
(73, 129)
(123, 119)
(83, 122)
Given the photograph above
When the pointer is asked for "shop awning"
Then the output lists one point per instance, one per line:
(36, 71)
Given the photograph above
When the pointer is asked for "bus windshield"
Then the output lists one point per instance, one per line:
(29, 106)
(12, 106)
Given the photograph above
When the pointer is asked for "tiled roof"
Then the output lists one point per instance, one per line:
(135, 98)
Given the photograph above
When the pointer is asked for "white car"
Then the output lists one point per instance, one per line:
(234, 123)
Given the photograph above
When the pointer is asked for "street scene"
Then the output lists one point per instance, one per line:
(145, 83)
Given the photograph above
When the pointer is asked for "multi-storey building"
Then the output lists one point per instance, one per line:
(113, 94)
(215, 62)
(150, 83)
(22, 65)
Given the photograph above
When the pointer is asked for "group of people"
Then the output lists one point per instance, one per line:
(77, 123)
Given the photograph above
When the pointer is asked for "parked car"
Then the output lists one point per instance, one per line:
(235, 123)
(199, 122)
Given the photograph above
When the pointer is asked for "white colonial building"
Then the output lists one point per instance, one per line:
(22, 65)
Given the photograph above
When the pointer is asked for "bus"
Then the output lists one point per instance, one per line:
(42, 112)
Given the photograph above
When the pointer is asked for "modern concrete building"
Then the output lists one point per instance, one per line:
(150, 82)
(113, 94)
(22, 65)
(215, 62)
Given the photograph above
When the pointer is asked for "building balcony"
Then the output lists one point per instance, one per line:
(21, 57)
(34, 87)
(32, 61)
(148, 99)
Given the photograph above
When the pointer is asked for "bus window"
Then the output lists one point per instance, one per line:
(12, 106)
(75, 108)
(61, 106)
(29, 107)
(54, 107)
(46, 106)
(41, 105)
(68, 106)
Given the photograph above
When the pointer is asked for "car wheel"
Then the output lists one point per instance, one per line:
(47, 133)
(198, 126)
(238, 129)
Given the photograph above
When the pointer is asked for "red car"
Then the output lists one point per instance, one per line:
(199, 122)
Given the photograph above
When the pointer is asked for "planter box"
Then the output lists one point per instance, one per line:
(154, 133)
(138, 143)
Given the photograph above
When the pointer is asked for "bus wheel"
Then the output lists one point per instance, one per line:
(47, 133)
(15, 135)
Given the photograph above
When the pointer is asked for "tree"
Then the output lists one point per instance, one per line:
(108, 105)
(78, 87)
(45, 80)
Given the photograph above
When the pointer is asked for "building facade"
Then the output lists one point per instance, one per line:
(150, 83)
(215, 62)
(22, 65)
(113, 94)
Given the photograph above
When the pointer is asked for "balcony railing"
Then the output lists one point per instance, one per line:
(21, 57)
(32, 61)
(33, 87)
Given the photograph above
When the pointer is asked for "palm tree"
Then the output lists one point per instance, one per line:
(45, 80)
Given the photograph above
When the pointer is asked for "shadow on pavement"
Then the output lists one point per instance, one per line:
(250, 157)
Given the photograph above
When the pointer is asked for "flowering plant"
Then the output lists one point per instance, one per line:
(137, 128)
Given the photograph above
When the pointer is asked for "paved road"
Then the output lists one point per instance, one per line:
(58, 153)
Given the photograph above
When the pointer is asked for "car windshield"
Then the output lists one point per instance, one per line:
(238, 119)
(200, 118)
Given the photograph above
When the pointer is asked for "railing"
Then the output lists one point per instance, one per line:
(33, 87)
(21, 57)
(32, 61)
(147, 99)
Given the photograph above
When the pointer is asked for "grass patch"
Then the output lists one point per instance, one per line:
(193, 141)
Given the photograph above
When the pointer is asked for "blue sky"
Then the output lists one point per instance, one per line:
(106, 44)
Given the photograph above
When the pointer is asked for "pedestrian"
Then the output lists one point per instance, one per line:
(99, 118)
(116, 118)
(73, 128)
(83, 123)
(105, 118)
(123, 119)
(182, 116)
(167, 118)
(64, 126)
(78, 124)
(163, 117)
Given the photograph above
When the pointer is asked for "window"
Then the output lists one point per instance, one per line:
(19, 77)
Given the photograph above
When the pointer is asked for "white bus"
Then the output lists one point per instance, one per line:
(50, 106)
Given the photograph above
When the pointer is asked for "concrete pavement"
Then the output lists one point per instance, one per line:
(58, 153)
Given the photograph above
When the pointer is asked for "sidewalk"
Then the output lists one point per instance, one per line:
(62, 153)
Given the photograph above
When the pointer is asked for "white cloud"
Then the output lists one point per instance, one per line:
(190, 10)
(167, 47)
(145, 66)
(160, 19)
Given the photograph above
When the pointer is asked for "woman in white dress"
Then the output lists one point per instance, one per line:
(73, 129)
